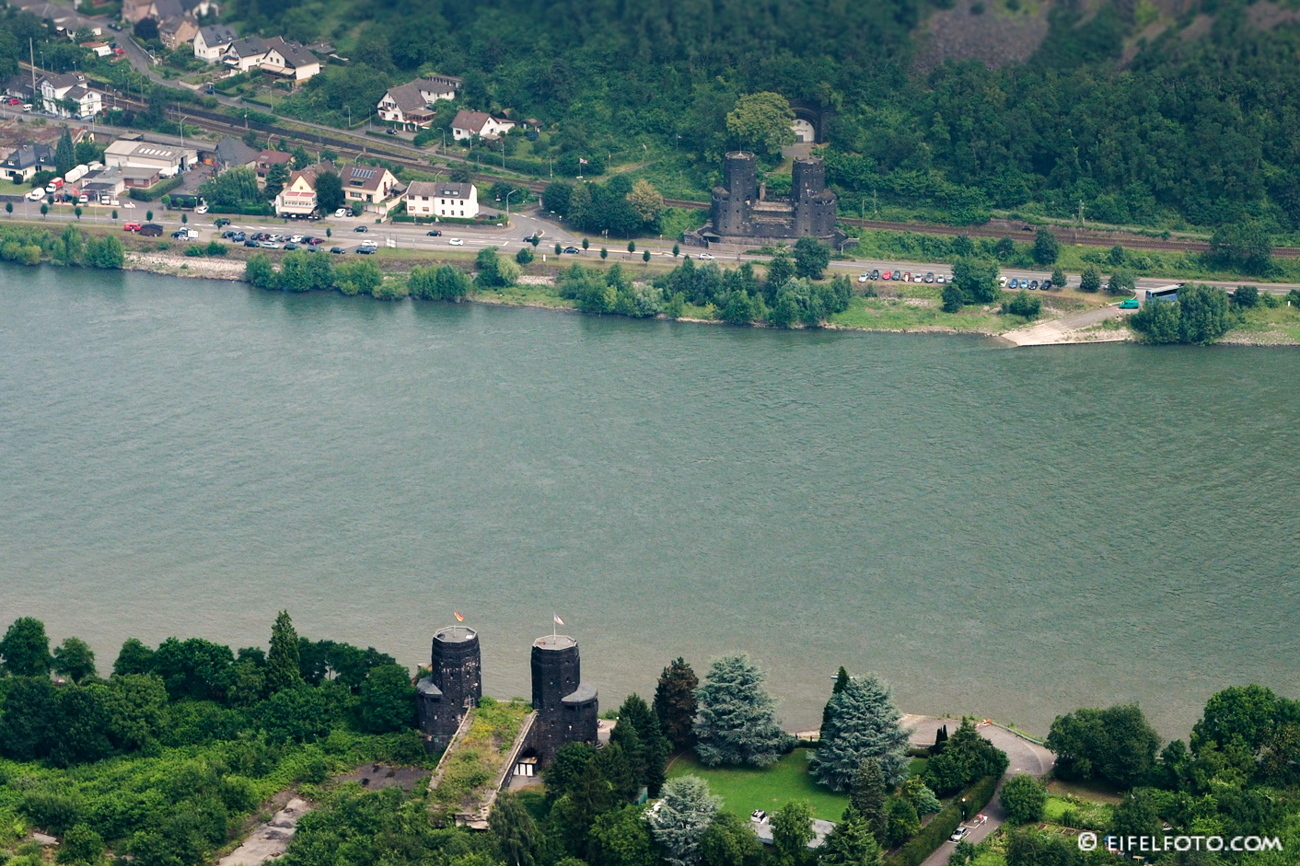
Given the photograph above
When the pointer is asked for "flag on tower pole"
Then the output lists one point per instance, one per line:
(456, 614)
(558, 621)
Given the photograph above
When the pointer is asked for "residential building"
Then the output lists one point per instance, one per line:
(104, 185)
(411, 104)
(177, 30)
(164, 159)
(101, 49)
(135, 11)
(373, 186)
(468, 124)
(21, 165)
(298, 198)
(233, 153)
(275, 55)
(441, 199)
(268, 158)
(212, 41)
(68, 95)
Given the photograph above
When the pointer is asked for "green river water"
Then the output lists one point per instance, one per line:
(1009, 533)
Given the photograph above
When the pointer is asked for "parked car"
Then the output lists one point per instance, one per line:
(252, 243)
(201, 209)
(1129, 304)
(291, 246)
(238, 237)
(338, 251)
(1033, 284)
(887, 275)
(36, 194)
(907, 276)
(959, 834)
(941, 279)
(929, 277)
(14, 100)
(296, 239)
(875, 274)
(435, 233)
(130, 227)
(269, 245)
(151, 230)
(1014, 284)
(1047, 284)
(862, 278)
(361, 229)
(456, 242)
(221, 221)
(365, 251)
(341, 213)
(708, 257)
(1002, 281)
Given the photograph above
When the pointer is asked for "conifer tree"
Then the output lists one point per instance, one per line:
(735, 722)
(841, 682)
(867, 797)
(282, 668)
(851, 843)
(647, 748)
(681, 818)
(862, 723)
(675, 704)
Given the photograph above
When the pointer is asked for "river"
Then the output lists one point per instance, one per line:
(1008, 533)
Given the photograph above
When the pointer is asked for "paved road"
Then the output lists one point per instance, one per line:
(1024, 757)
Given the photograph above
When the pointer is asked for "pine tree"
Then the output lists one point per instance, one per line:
(851, 843)
(674, 703)
(841, 682)
(282, 670)
(735, 723)
(681, 818)
(639, 734)
(65, 158)
(863, 723)
(867, 797)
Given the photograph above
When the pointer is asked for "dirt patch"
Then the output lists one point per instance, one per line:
(1084, 791)
(270, 839)
(994, 36)
(185, 266)
(376, 776)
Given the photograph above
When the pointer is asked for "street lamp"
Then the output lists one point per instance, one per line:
(512, 192)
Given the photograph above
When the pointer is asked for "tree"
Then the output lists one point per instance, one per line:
(761, 122)
(780, 270)
(1023, 304)
(622, 838)
(792, 830)
(645, 256)
(193, 668)
(259, 272)
(735, 723)
(44, 209)
(730, 841)
(851, 843)
(915, 791)
(1159, 321)
(329, 192)
(1090, 279)
(80, 845)
(953, 298)
(677, 250)
(1238, 716)
(811, 258)
(28, 724)
(65, 157)
(494, 271)
(1203, 313)
(105, 252)
(276, 177)
(1121, 283)
(646, 201)
(861, 722)
(524, 256)
(966, 757)
(9, 209)
(674, 702)
(357, 278)
(148, 215)
(1246, 297)
(643, 741)
(557, 196)
(133, 658)
(868, 796)
(514, 832)
(1024, 798)
(1246, 246)
(282, 662)
(146, 29)
(25, 649)
(604, 253)
(977, 279)
(1058, 277)
(586, 244)
(903, 824)
(680, 820)
(1046, 247)
(1115, 744)
(74, 659)
(134, 706)
(387, 701)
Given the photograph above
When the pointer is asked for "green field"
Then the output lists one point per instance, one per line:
(745, 789)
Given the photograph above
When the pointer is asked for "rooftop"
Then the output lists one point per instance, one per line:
(555, 642)
(455, 634)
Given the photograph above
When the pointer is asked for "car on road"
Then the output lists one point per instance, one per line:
(338, 251)
(361, 229)
(456, 242)
(959, 834)
(1129, 304)
(573, 251)
(390, 131)
(221, 221)
(364, 251)
(707, 256)
(433, 234)
(341, 213)
(113, 25)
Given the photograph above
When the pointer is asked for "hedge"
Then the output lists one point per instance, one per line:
(934, 834)
(245, 210)
(156, 191)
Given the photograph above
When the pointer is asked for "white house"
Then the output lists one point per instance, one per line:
(298, 198)
(441, 199)
(275, 55)
(412, 103)
(67, 95)
(101, 49)
(374, 186)
(212, 42)
(468, 124)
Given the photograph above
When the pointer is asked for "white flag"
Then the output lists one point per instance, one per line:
(557, 619)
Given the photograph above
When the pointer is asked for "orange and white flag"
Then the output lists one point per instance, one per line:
(459, 618)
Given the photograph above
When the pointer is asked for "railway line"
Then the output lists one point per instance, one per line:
(408, 157)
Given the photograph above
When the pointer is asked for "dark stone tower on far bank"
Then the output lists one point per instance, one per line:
(566, 707)
(454, 685)
(742, 211)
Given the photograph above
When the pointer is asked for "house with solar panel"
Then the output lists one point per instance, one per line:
(372, 185)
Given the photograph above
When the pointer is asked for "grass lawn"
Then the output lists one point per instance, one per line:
(745, 789)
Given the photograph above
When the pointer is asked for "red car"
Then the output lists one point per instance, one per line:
(887, 275)
(13, 100)
(119, 51)
(130, 227)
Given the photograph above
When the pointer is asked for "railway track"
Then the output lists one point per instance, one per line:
(226, 124)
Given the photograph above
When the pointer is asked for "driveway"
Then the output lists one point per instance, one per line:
(1024, 757)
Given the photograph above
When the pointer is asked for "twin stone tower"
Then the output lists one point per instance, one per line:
(566, 707)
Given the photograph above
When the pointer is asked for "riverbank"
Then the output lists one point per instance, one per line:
(897, 315)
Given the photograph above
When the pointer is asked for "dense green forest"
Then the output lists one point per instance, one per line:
(1196, 130)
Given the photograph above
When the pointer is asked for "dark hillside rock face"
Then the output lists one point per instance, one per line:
(994, 37)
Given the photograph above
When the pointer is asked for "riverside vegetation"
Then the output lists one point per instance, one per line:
(165, 761)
